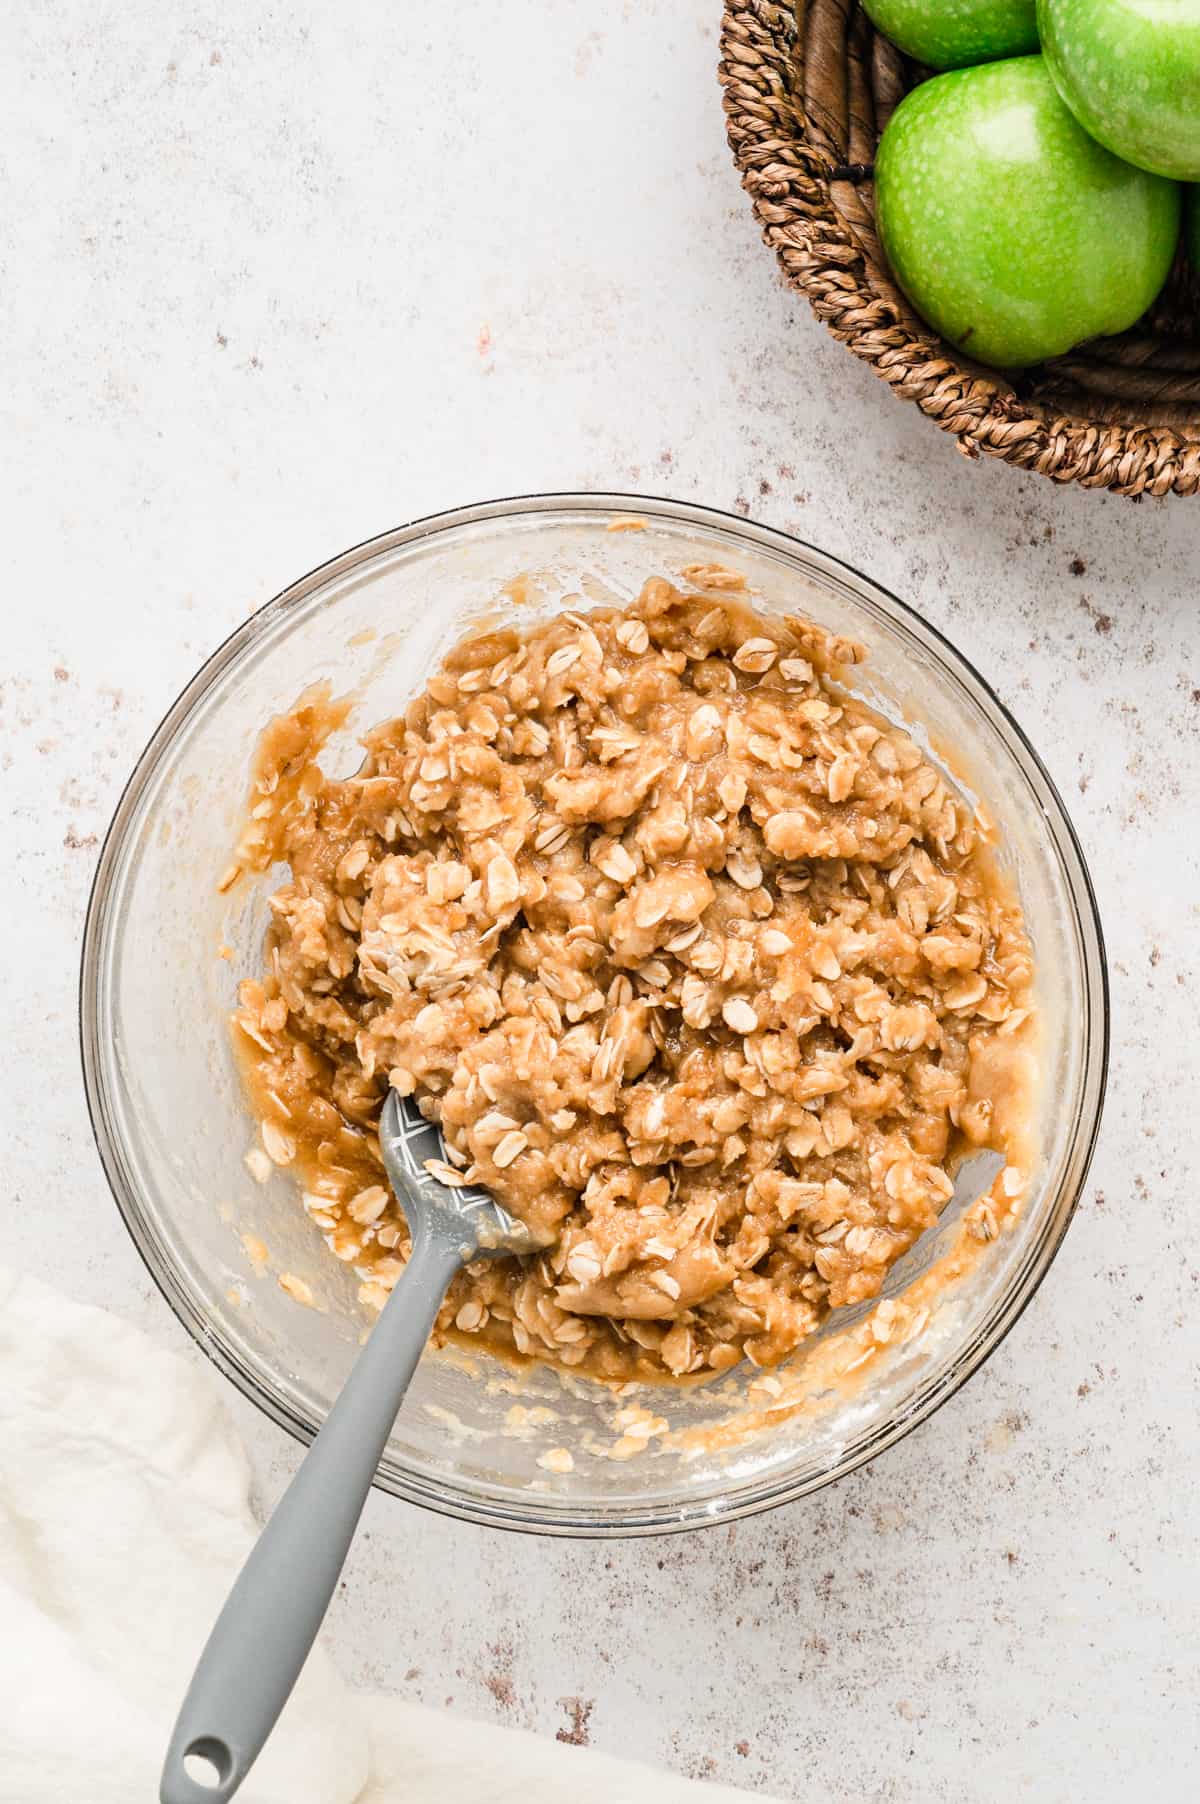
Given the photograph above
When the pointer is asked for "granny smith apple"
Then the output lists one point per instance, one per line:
(1008, 228)
(948, 33)
(1130, 72)
(1191, 228)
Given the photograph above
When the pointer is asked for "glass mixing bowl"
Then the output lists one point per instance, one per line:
(172, 1125)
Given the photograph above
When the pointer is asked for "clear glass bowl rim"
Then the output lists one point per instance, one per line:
(755, 1495)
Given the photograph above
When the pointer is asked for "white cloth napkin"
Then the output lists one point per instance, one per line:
(124, 1518)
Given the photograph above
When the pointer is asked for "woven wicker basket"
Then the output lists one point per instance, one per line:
(808, 89)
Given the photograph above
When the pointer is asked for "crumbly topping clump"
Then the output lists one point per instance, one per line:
(701, 966)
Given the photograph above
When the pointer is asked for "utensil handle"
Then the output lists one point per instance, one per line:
(262, 1637)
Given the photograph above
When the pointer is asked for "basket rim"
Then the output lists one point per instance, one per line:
(762, 70)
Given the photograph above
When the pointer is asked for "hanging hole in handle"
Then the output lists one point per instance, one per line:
(208, 1762)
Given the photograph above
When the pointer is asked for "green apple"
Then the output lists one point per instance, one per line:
(1130, 72)
(1191, 228)
(948, 33)
(1009, 229)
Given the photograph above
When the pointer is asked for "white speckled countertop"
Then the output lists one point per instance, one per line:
(279, 277)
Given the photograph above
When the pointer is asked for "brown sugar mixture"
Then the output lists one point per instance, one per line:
(700, 964)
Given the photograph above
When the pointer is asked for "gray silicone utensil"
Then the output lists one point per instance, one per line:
(262, 1636)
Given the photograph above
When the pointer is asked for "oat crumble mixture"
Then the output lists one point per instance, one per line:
(701, 966)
